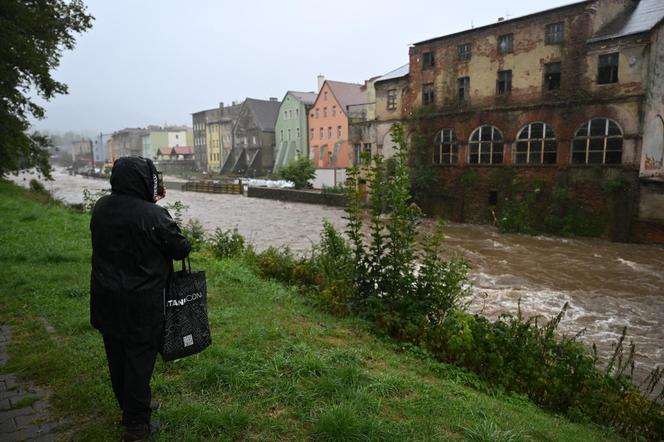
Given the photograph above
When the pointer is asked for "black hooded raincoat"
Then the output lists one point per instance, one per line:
(133, 244)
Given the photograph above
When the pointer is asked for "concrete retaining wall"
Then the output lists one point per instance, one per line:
(297, 196)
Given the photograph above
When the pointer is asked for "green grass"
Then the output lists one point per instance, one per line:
(278, 369)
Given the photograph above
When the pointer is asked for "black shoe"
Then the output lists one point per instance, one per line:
(139, 432)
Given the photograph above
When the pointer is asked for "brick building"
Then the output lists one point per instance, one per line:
(571, 98)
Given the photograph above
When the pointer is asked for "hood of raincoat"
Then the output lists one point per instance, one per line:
(135, 176)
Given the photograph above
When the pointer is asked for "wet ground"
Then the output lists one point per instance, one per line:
(607, 285)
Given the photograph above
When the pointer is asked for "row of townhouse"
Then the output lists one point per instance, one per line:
(154, 142)
(260, 136)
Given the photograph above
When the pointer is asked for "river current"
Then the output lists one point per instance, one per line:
(607, 285)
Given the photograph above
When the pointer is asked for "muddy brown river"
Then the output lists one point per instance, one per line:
(608, 285)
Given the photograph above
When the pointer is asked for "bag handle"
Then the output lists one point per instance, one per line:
(186, 264)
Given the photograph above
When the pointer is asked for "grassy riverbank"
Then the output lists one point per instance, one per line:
(277, 370)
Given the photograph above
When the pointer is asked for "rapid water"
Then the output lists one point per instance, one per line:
(608, 285)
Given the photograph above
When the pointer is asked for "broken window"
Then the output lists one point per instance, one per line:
(506, 43)
(552, 76)
(317, 113)
(329, 132)
(536, 144)
(428, 60)
(598, 141)
(607, 69)
(464, 88)
(464, 52)
(357, 154)
(485, 146)
(321, 133)
(312, 134)
(325, 112)
(554, 33)
(338, 131)
(446, 148)
(504, 83)
(427, 94)
(391, 99)
(334, 110)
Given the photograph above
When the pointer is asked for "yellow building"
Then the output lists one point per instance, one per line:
(213, 140)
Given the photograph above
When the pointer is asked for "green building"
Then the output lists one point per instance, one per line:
(291, 133)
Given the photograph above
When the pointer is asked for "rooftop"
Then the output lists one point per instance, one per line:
(397, 73)
(643, 17)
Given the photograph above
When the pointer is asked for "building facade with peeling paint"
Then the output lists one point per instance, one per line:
(569, 97)
(373, 133)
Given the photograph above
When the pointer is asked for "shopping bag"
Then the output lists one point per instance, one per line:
(186, 326)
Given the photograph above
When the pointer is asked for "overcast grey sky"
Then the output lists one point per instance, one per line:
(157, 61)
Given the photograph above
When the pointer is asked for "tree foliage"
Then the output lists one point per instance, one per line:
(33, 35)
(300, 172)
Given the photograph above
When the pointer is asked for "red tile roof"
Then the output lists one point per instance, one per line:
(183, 150)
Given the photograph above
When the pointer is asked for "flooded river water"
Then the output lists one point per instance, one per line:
(608, 285)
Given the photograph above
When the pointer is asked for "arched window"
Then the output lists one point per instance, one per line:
(598, 141)
(536, 144)
(486, 146)
(446, 148)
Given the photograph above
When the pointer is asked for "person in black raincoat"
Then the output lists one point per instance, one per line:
(133, 244)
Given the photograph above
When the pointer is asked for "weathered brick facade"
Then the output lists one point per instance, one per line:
(559, 70)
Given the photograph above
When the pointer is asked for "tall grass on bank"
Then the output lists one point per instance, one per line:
(278, 369)
(417, 298)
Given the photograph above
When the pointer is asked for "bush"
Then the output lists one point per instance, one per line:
(90, 198)
(277, 263)
(195, 233)
(227, 243)
(559, 374)
(299, 172)
(37, 187)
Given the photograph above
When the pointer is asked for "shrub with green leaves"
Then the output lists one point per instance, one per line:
(90, 198)
(227, 243)
(195, 233)
(299, 172)
(402, 288)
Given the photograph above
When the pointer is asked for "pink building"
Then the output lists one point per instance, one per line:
(328, 123)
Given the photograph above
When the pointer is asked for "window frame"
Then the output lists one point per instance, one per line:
(391, 99)
(446, 145)
(529, 141)
(547, 81)
(492, 141)
(463, 88)
(464, 52)
(588, 138)
(428, 60)
(428, 94)
(506, 82)
(554, 33)
(508, 41)
(611, 69)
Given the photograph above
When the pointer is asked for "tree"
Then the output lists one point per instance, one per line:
(300, 172)
(33, 34)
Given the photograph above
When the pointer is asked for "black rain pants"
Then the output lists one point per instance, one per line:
(131, 365)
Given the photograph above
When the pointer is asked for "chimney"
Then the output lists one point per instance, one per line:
(274, 99)
(321, 80)
(501, 19)
(221, 108)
